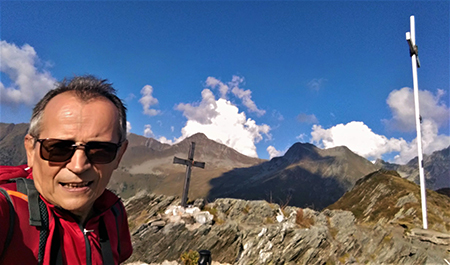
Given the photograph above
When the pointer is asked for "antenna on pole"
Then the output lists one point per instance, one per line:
(414, 53)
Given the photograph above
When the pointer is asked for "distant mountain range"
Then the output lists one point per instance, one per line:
(306, 176)
(436, 168)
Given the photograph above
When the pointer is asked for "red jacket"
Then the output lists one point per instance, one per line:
(75, 244)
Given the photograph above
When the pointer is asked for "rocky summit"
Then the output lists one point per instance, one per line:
(258, 232)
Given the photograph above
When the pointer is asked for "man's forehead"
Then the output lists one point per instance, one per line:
(66, 103)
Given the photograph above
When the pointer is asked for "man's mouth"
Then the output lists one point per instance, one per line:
(76, 185)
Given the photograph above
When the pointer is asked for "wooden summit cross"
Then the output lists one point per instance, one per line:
(189, 163)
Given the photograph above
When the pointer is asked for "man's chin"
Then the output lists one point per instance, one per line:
(79, 208)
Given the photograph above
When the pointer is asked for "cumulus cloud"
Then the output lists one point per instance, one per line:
(233, 86)
(164, 140)
(128, 127)
(362, 140)
(147, 100)
(246, 96)
(316, 84)
(221, 121)
(148, 131)
(213, 82)
(202, 112)
(305, 118)
(273, 152)
(432, 108)
(431, 141)
(28, 83)
(358, 137)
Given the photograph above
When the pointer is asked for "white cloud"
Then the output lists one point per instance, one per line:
(130, 97)
(202, 112)
(213, 82)
(128, 127)
(358, 137)
(233, 86)
(28, 83)
(246, 96)
(273, 152)
(164, 140)
(316, 84)
(221, 121)
(148, 100)
(301, 137)
(361, 140)
(432, 107)
(148, 131)
(277, 115)
(305, 118)
(431, 142)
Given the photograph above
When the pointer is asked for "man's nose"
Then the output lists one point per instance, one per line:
(79, 162)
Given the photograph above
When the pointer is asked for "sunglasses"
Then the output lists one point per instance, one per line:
(55, 150)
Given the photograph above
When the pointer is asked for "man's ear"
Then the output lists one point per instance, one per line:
(122, 150)
(29, 144)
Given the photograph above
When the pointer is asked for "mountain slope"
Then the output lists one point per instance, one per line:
(384, 197)
(305, 176)
(12, 150)
(151, 167)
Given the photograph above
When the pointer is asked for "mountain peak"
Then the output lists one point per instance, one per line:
(301, 150)
(197, 137)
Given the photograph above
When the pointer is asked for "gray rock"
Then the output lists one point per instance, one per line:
(246, 232)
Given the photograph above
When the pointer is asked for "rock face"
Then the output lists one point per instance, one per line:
(257, 232)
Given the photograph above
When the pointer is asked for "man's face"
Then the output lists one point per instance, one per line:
(75, 184)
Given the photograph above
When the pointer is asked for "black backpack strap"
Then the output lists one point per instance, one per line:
(117, 211)
(38, 212)
(12, 213)
(26, 186)
(107, 254)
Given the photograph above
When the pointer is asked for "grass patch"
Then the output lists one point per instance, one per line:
(302, 221)
(190, 257)
(213, 212)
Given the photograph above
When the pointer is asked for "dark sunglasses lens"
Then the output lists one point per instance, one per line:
(55, 150)
(101, 152)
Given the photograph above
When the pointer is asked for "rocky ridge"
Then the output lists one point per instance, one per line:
(257, 232)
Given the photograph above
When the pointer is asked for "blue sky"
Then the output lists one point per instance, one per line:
(256, 76)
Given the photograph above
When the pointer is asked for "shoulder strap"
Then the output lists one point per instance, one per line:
(107, 254)
(11, 221)
(38, 212)
(117, 211)
(26, 186)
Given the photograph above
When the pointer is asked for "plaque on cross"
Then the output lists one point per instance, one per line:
(189, 163)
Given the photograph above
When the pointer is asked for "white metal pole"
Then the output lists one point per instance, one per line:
(414, 61)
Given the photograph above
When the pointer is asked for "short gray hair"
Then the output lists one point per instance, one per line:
(85, 88)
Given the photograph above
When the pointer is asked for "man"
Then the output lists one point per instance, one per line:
(76, 139)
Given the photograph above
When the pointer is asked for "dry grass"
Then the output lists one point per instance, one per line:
(302, 221)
